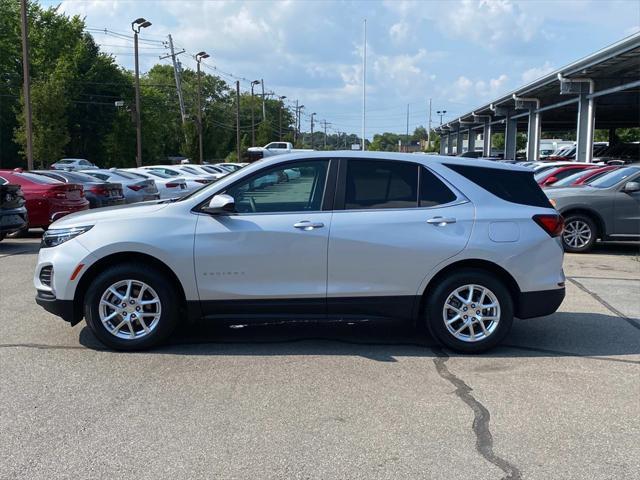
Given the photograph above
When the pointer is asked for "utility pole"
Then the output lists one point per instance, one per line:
(27, 83)
(429, 130)
(295, 125)
(264, 111)
(281, 108)
(199, 57)
(238, 120)
(176, 74)
(139, 23)
(325, 133)
(406, 148)
(300, 121)
(364, 84)
(253, 120)
(314, 113)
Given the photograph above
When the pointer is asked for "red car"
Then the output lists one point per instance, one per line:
(46, 199)
(552, 175)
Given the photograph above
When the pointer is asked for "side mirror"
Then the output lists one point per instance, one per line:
(221, 205)
(631, 187)
(550, 180)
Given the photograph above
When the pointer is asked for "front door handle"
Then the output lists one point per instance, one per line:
(307, 225)
(441, 221)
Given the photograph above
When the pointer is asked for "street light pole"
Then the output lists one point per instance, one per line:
(27, 83)
(253, 120)
(441, 113)
(199, 57)
(281, 108)
(136, 25)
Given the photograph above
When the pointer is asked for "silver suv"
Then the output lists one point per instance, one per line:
(462, 245)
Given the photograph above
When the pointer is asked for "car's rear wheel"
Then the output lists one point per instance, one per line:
(579, 233)
(131, 307)
(470, 311)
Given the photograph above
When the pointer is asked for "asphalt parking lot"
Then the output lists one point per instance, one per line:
(371, 401)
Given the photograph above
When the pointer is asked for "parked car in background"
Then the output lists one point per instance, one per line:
(168, 187)
(13, 211)
(582, 176)
(174, 171)
(231, 167)
(273, 148)
(98, 192)
(459, 245)
(607, 208)
(73, 164)
(46, 199)
(550, 176)
(135, 189)
(202, 170)
(620, 153)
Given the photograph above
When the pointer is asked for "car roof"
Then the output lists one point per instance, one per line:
(393, 156)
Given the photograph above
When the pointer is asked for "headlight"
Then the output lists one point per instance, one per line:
(56, 236)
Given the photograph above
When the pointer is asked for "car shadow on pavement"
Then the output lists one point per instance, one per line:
(559, 335)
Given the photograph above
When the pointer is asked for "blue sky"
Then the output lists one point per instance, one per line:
(460, 53)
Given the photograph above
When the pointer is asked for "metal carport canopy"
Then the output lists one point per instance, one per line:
(614, 75)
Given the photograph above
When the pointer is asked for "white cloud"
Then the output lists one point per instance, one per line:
(536, 72)
(399, 32)
(465, 90)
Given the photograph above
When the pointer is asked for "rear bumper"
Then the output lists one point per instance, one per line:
(540, 303)
(13, 220)
(61, 308)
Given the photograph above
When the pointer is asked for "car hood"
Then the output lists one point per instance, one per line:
(118, 212)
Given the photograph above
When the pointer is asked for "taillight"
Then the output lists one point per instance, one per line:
(100, 191)
(171, 185)
(135, 188)
(56, 193)
(550, 223)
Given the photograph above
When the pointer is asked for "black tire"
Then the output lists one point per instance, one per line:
(157, 280)
(2, 236)
(435, 303)
(575, 221)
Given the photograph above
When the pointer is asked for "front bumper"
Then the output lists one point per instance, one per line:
(13, 220)
(540, 303)
(62, 308)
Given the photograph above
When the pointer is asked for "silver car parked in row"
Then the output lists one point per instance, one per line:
(135, 189)
(462, 245)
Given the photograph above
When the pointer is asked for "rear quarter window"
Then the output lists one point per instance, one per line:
(510, 185)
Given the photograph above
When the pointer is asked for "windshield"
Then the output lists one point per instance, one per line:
(155, 173)
(614, 177)
(123, 174)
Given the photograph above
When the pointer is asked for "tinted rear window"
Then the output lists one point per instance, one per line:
(41, 179)
(381, 184)
(510, 185)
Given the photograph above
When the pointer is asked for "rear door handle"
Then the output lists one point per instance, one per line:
(441, 221)
(307, 225)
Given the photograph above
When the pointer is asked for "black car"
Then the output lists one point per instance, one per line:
(13, 212)
(98, 192)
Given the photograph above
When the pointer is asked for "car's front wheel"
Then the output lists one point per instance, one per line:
(131, 307)
(579, 234)
(470, 311)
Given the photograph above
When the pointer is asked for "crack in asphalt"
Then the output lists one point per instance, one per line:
(604, 303)
(481, 418)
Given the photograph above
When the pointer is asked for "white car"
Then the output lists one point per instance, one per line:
(231, 167)
(216, 174)
(173, 171)
(73, 164)
(461, 245)
(168, 187)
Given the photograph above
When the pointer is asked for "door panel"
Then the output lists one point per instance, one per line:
(388, 253)
(627, 212)
(273, 253)
(261, 256)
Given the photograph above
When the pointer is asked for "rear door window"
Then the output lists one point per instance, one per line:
(433, 191)
(374, 184)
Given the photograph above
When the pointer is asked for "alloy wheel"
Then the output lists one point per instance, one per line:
(577, 234)
(130, 309)
(471, 313)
